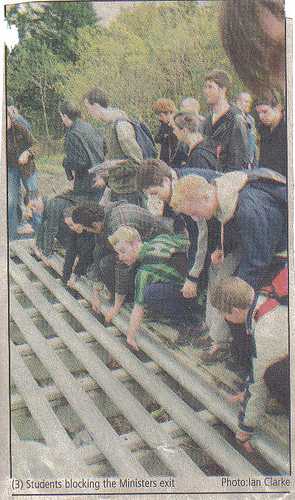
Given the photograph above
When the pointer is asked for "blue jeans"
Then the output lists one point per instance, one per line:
(30, 184)
(14, 180)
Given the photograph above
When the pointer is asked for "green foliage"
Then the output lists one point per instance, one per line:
(39, 64)
(33, 74)
(56, 24)
(150, 51)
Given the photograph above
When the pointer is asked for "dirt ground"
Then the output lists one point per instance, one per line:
(52, 184)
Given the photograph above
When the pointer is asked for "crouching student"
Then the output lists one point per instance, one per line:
(103, 222)
(159, 278)
(266, 322)
(157, 179)
(252, 210)
(56, 223)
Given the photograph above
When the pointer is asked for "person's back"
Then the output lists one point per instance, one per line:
(121, 142)
(84, 150)
(203, 156)
(83, 147)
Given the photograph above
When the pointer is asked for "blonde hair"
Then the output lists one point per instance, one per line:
(124, 233)
(231, 292)
(191, 186)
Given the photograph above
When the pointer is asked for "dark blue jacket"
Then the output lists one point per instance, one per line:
(259, 226)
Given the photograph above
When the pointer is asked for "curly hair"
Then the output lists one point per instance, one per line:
(164, 105)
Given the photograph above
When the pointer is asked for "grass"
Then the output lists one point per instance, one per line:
(49, 164)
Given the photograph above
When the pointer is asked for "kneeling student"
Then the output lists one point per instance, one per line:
(266, 321)
(159, 278)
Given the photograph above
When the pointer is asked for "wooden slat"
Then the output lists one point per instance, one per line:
(153, 385)
(179, 463)
(98, 427)
(53, 432)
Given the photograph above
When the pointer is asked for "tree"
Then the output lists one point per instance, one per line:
(32, 76)
(38, 65)
(150, 51)
(56, 24)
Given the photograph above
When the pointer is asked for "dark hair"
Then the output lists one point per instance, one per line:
(255, 56)
(268, 98)
(97, 96)
(152, 173)
(69, 109)
(188, 120)
(87, 215)
(220, 77)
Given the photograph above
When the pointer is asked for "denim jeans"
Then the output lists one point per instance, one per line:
(14, 181)
(30, 184)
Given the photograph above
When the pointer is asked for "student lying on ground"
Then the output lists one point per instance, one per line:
(56, 223)
(266, 321)
(106, 268)
(161, 269)
(252, 208)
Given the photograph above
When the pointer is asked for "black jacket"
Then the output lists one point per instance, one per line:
(273, 147)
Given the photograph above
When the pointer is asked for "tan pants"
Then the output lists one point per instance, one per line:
(218, 328)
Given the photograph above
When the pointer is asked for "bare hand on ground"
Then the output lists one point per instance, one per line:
(236, 397)
(132, 343)
(95, 304)
(243, 438)
(72, 283)
(109, 314)
(99, 182)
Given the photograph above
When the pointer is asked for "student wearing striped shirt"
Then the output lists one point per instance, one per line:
(159, 278)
